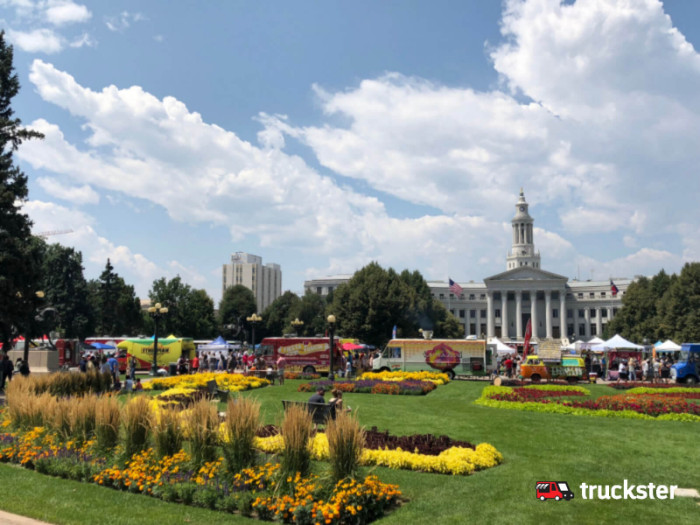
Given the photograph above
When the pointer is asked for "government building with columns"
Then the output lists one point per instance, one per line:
(502, 305)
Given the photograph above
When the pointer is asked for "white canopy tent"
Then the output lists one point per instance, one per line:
(616, 342)
(501, 348)
(668, 346)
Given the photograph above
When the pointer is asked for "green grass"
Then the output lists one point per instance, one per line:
(536, 447)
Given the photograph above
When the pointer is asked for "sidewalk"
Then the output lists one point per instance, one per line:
(13, 519)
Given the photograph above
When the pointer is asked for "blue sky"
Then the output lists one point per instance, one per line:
(325, 135)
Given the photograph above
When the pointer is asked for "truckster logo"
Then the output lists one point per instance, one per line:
(556, 490)
(442, 357)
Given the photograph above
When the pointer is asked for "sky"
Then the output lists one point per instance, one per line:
(323, 136)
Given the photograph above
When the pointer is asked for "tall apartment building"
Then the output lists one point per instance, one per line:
(265, 281)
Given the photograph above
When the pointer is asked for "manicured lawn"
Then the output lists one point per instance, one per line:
(536, 447)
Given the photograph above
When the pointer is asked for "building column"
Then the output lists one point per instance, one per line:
(533, 313)
(504, 314)
(587, 317)
(519, 314)
(563, 320)
(467, 324)
(548, 312)
(489, 314)
(598, 321)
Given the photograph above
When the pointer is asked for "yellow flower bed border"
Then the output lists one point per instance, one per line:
(454, 461)
(224, 381)
(438, 378)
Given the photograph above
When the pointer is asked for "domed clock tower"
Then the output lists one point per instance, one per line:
(522, 253)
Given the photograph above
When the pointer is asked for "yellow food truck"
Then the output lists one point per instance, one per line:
(537, 368)
(169, 351)
(472, 357)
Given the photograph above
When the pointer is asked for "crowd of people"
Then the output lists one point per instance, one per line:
(657, 369)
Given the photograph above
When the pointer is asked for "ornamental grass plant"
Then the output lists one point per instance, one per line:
(346, 440)
(82, 417)
(136, 417)
(167, 430)
(107, 418)
(242, 422)
(59, 416)
(296, 431)
(202, 422)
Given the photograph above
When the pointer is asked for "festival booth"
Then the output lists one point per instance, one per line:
(618, 348)
(502, 348)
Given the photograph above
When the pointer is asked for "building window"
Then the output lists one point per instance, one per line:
(591, 295)
(614, 313)
(582, 329)
(483, 314)
(592, 313)
(569, 314)
(319, 291)
(604, 312)
(461, 315)
(581, 313)
(594, 330)
(442, 296)
(498, 313)
(472, 314)
(471, 297)
(602, 294)
(330, 289)
(482, 296)
(570, 329)
(579, 295)
(555, 313)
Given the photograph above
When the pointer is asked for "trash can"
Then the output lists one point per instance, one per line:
(172, 369)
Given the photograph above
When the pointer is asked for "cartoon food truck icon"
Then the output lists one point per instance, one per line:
(556, 490)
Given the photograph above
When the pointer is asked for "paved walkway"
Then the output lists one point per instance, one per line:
(13, 519)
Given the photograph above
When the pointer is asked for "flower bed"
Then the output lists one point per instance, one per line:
(455, 460)
(230, 382)
(365, 386)
(656, 405)
(627, 385)
(301, 375)
(255, 492)
(438, 378)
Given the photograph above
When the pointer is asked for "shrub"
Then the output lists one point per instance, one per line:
(82, 417)
(242, 422)
(202, 427)
(136, 425)
(345, 442)
(296, 431)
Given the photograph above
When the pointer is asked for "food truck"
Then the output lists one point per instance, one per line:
(306, 354)
(536, 368)
(169, 351)
(687, 369)
(471, 357)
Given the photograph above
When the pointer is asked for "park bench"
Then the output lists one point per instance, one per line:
(214, 391)
(320, 412)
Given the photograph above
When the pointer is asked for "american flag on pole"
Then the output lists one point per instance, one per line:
(528, 335)
(614, 289)
(455, 288)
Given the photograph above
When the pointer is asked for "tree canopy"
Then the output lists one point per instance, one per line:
(237, 303)
(19, 255)
(117, 309)
(190, 312)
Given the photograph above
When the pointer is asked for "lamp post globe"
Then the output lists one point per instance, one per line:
(331, 350)
(297, 324)
(253, 319)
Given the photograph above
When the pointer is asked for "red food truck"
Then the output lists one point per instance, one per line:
(306, 354)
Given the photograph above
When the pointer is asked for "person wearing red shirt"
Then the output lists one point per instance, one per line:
(194, 365)
(509, 367)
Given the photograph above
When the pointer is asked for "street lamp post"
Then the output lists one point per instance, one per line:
(156, 313)
(253, 319)
(297, 324)
(331, 352)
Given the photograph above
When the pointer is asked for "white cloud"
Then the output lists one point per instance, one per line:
(85, 40)
(123, 21)
(135, 268)
(36, 41)
(79, 195)
(62, 12)
(600, 124)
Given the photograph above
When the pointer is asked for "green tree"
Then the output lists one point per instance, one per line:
(237, 303)
(190, 312)
(371, 303)
(679, 310)
(67, 290)
(117, 309)
(311, 310)
(278, 316)
(19, 256)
